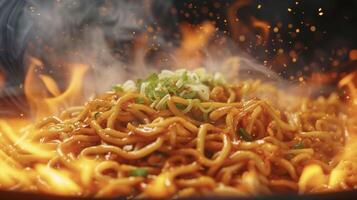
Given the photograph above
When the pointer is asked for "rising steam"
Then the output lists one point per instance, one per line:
(119, 40)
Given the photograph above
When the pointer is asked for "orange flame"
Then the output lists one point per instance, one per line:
(353, 54)
(43, 94)
(237, 28)
(349, 83)
(263, 26)
(195, 38)
(2, 79)
(311, 177)
(59, 180)
(44, 97)
(346, 166)
(240, 31)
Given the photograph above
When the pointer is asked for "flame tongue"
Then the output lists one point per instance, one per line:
(342, 175)
(43, 93)
(45, 97)
(348, 83)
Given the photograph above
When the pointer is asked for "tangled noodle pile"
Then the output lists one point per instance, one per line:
(180, 134)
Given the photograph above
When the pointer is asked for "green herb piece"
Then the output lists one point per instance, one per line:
(139, 82)
(140, 100)
(138, 172)
(299, 145)
(180, 106)
(182, 83)
(245, 135)
(117, 88)
(96, 115)
(152, 77)
(205, 116)
(189, 94)
(184, 76)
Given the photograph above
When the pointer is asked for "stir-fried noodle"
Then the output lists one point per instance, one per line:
(182, 133)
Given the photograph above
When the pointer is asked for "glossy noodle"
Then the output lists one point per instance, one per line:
(180, 134)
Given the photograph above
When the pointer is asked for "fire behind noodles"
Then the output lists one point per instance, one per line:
(182, 133)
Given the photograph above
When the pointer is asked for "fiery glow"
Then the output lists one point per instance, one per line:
(236, 28)
(59, 181)
(343, 172)
(348, 82)
(241, 31)
(2, 79)
(346, 167)
(35, 163)
(353, 54)
(263, 26)
(195, 38)
(311, 177)
(44, 97)
(86, 168)
(43, 93)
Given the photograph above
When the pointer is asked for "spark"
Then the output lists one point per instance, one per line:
(320, 12)
(242, 38)
(313, 28)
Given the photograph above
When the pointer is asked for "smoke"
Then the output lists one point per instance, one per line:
(103, 34)
(119, 40)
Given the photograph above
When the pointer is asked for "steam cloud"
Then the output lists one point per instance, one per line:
(99, 33)
(106, 35)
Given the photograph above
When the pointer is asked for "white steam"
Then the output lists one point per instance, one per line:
(108, 36)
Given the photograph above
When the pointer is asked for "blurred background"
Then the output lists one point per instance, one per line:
(300, 40)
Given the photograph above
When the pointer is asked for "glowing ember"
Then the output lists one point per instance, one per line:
(195, 38)
(349, 83)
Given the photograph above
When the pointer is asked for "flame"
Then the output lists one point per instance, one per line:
(311, 177)
(86, 168)
(353, 54)
(263, 26)
(43, 94)
(7, 133)
(346, 166)
(2, 79)
(194, 39)
(59, 180)
(237, 28)
(349, 83)
(240, 31)
(44, 97)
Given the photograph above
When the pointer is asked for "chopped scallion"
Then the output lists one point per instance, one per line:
(117, 88)
(138, 172)
(245, 135)
(180, 106)
(140, 100)
(96, 115)
(299, 145)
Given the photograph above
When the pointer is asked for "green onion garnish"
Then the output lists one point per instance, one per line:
(140, 100)
(180, 106)
(117, 88)
(96, 115)
(299, 145)
(188, 95)
(245, 135)
(138, 172)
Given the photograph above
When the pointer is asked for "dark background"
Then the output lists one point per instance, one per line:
(325, 49)
(292, 51)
